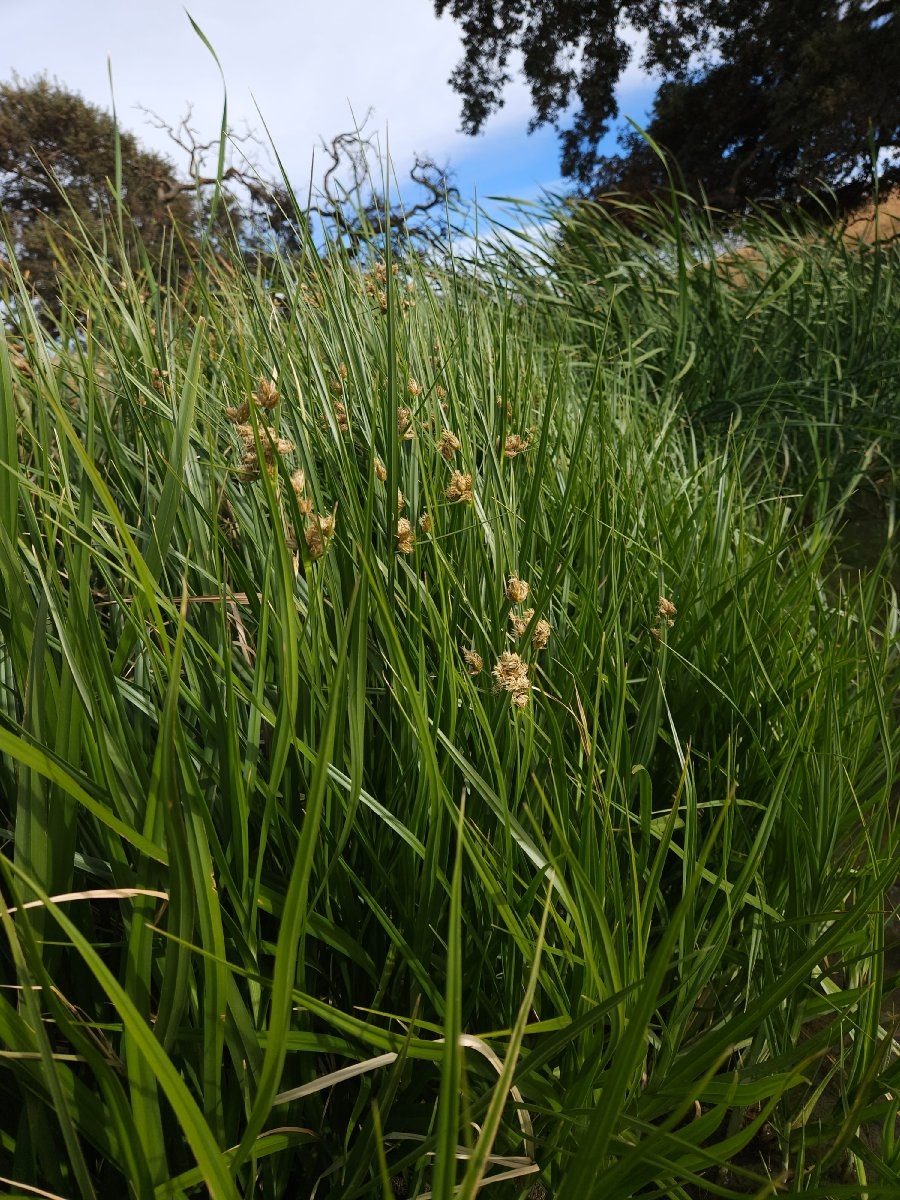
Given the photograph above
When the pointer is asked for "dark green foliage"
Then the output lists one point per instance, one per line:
(57, 177)
(647, 908)
(757, 100)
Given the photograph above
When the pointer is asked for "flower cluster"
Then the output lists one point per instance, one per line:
(540, 635)
(510, 674)
(474, 662)
(405, 429)
(264, 399)
(516, 589)
(460, 487)
(270, 444)
(318, 533)
(448, 445)
(665, 614)
(510, 671)
(514, 445)
(405, 537)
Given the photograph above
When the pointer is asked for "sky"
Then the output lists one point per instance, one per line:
(304, 70)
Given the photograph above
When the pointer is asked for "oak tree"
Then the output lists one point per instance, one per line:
(756, 100)
(57, 173)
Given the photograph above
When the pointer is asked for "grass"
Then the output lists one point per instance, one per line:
(299, 903)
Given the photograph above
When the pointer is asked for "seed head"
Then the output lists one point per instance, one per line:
(380, 470)
(315, 543)
(448, 445)
(510, 674)
(405, 538)
(404, 424)
(541, 635)
(248, 471)
(474, 662)
(241, 413)
(516, 589)
(520, 623)
(326, 524)
(666, 608)
(425, 522)
(340, 417)
(269, 440)
(514, 445)
(266, 394)
(413, 387)
(304, 502)
(460, 487)
(317, 533)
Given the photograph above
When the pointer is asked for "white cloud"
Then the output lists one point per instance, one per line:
(310, 67)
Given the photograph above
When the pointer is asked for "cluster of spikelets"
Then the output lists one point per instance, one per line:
(320, 528)
(448, 445)
(510, 671)
(254, 460)
(261, 446)
(375, 287)
(665, 617)
(258, 452)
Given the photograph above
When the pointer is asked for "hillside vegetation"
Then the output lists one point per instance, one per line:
(441, 742)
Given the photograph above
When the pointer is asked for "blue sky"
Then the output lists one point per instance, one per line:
(309, 69)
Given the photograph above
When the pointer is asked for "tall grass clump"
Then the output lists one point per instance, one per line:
(436, 746)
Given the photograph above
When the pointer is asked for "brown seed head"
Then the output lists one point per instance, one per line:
(510, 674)
(405, 538)
(380, 470)
(404, 424)
(514, 445)
(248, 471)
(460, 487)
(270, 442)
(474, 662)
(266, 394)
(413, 387)
(516, 589)
(315, 543)
(425, 522)
(520, 623)
(325, 524)
(448, 445)
(282, 445)
(541, 635)
(666, 608)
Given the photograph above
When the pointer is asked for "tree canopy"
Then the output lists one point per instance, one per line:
(756, 100)
(57, 163)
